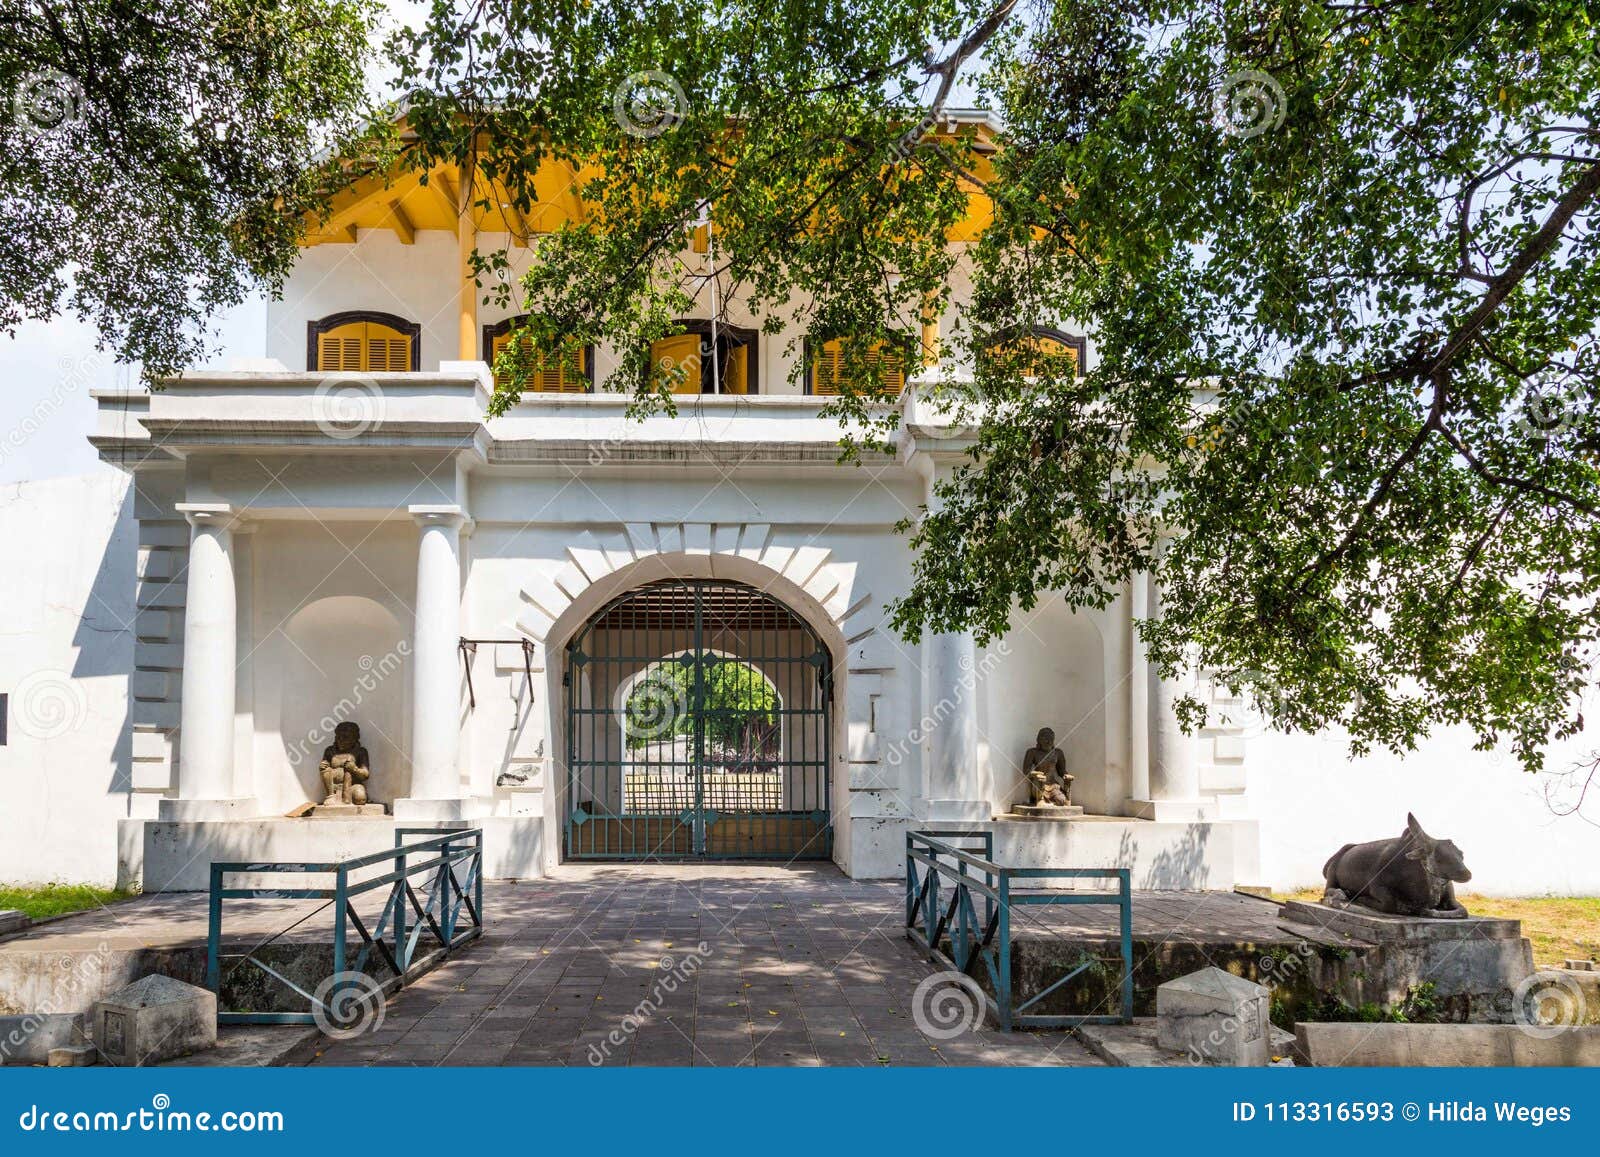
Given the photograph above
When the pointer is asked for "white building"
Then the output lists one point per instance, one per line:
(340, 532)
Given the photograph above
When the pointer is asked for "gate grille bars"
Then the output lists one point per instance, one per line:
(446, 864)
(698, 726)
(938, 859)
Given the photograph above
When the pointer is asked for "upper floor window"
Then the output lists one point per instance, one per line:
(362, 341)
(1041, 347)
(826, 363)
(684, 362)
(572, 373)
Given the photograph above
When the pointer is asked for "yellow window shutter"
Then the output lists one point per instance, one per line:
(1043, 349)
(564, 375)
(827, 367)
(736, 371)
(676, 361)
(339, 350)
(363, 347)
(827, 374)
(890, 364)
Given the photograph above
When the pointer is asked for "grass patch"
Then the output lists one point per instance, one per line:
(1559, 927)
(44, 900)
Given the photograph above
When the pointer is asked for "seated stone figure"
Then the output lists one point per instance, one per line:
(344, 767)
(1045, 767)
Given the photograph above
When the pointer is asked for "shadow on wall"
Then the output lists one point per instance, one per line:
(104, 637)
(1182, 866)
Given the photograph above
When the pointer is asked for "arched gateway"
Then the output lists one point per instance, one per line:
(698, 725)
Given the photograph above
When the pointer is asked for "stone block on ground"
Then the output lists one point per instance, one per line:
(1215, 1017)
(71, 1057)
(29, 1038)
(1448, 1045)
(12, 920)
(154, 1019)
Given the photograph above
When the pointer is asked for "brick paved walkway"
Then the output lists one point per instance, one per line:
(800, 966)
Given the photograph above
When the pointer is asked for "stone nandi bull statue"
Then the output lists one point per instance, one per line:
(1411, 875)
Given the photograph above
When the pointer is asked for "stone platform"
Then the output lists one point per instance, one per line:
(176, 855)
(1474, 964)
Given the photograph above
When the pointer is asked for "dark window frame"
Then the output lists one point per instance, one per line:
(749, 338)
(1077, 343)
(501, 328)
(321, 325)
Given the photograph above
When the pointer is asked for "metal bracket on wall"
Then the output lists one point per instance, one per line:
(469, 648)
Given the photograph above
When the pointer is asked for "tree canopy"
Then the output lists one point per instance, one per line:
(732, 702)
(1336, 261)
(157, 158)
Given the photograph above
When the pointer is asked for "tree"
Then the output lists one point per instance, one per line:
(735, 704)
(1337, 260)
(157, 158)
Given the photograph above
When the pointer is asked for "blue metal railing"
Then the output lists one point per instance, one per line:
(963, 862)
(429, 857)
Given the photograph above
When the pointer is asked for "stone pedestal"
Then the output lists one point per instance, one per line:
(1474, 965)
(1215, 1018)
(345, 811)
(155, 1019)
(1044, 812)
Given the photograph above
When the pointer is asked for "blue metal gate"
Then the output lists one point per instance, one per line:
(698, 726)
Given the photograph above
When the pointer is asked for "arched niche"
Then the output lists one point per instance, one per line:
(347, 660)
(1051, 673)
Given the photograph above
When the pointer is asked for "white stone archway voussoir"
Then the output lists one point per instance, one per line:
(603, 563)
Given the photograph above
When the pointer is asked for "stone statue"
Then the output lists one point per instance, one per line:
(1411, 875)
(1045, 767)
(344, 767)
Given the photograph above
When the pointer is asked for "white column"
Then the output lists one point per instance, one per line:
(955, 788)
(1173, 756)
(1138, 691)
(436, 791)
(210, 654)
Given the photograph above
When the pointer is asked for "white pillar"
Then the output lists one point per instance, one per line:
(436, 791)
(210, 655)
(1173, 756)
(955, 788)
(1138, 691)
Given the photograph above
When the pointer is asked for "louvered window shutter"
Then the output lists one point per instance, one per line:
(363, 347)
(566, 375)
(828, 367)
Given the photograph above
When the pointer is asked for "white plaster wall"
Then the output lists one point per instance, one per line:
(1055, 670)
(419, 283)
(66, 621)
(1311, 799)
(329, 640)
